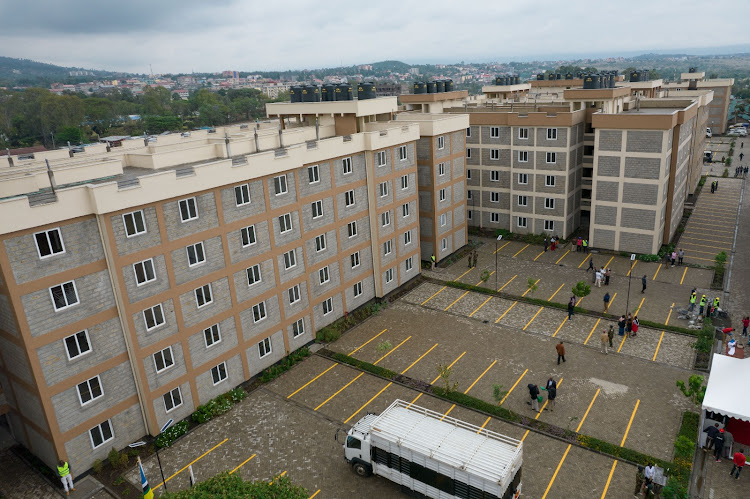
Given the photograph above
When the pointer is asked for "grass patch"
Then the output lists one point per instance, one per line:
(285, 364)
(214, 407)
(334, 330)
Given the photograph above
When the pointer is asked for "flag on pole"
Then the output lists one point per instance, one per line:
(192, 477)
(147, 493)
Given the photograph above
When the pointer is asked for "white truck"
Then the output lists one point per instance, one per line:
(432, 455)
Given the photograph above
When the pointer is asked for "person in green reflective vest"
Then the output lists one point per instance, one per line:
(702, 304)
(692, 302)
(716, 306)
(63, 469)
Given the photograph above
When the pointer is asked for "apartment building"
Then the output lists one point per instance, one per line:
(718, 109)
(157, 276)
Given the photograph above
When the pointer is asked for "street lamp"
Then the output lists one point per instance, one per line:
(630, 278)
(156, 449)
(499, 238)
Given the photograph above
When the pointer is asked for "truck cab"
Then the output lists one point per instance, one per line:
(357, 449)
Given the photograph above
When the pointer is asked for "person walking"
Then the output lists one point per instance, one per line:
(716, 306)
(742, 155)
(607, 274)
(598, 278)
(476, 258)
(560, 352)
(745, 324)
(606, 301)
(604, 338)
(551, 388)
(63, 469)
(702, 304)
(591, 265)
(621, 325)
(611, 335)
(674, 257)
(534, 394)
(711, 432)
(643, 282)
(738, 461)
(585, 245)
(571, 307)
(634, 327)
(546, 243)
(692, 301)
(639, 479)
(432, 261)
(719, 445)
(579, 243)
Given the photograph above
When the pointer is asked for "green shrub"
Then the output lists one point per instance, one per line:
(124, 459)
(97, 466)
(114, 458)
(365, 366)
(232, 486)
(327, 334)
(173, 432)
(237, 394)
(285, 364)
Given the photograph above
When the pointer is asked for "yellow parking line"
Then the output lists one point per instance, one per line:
(310, 382)
(529, 289)
(501, 247)
(480, 306)
(456, 301)
(470, 387)
(315, 494)
(559, 327)
(482, 280)
(683, 275)
(420, 358)
(242, 464)
(584, 260)
(519, 251)
(438, 377)
(514, 386)
(560, 259)
(632, 267)
(557, 470)
(191, 463)
(592, 330)
(639, 307)
(392, 350)
(459, 277)
(540, 254)
(611, 300)
(509, 281)
(606, 265)
(368, 402)
(657, 346)
(339, 391)
(657, 272)
(433, 296)
(368, 341)
(277, 477)
(512, 305)
(669, 314)
(558, 290)
(532, 319)
(622, 444)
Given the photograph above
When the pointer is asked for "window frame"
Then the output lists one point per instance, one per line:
(403, 153)
(242, 191)
(407, 238)
(525, 177)
(264, 347)
(101, 434)
(88, 384)
(64, 294)
(525, 222)
(46, 234)
(494, 175)
(287, 222)
(75, 337)
(349, 198)
(494, 197)
(549, 203)
(171, 358)
(547, 181)
(346, 164)
(443, 219)
(404, 182)
(523, 133)
(298, 328)
(327, 304)
(252, 270)
(441, 195)
(389, 275)
(380, 159)
(523, 156)
(324, 271)
(405, 210)
(351, 228)
(552, 156)
(170, 393)
(313, 172)
(385, 218)
(468, 174)
(494, 154)
(444, 243)
(153, 316)
(409, 264)
(214, 331)
(143, 265)
(468, 132)
(383, 189)
(278, 188)
(294, 293)
(290, 259)
(551, 133)
(494, 217)
(196, 254)
(549, 225)
(494, 132)
(468, 153)
(441, 143)
(441, 169)
(316, 209)
(217, 371)
(320, 243)
(357, 289)
(245, 235)
(387, 247)
(525, 200)
(135, 225)
(187, 202)
(259, 312)
(205, 288)
(355, 260)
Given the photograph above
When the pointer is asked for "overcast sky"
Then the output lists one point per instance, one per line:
(214, 35)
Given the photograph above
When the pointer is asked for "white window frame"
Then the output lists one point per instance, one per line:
(552, 134)
(170, 395)
(64, 294)
(523, 133)
(524, 220)
(494, 176)
(441, 195)
(280, 185)
(549, 203)
(468, 174)
(100, 427)
(290, 259)
(523, 156)
(351, 228)
(385, 218)
(152, 311)
(245, 233)
(298, 328)
(213, 333)
(468, 153)
(346, 166)
(387, 247)
(380, 158)
(259, 312)
(253, 271)
(404, 182)
(441, 169)
(525, 200)
(444, 244)
(441, 143)
(409, 263)
(313, 174)
(242, 195)
(160, 353)
(144, 266)
(388, 275)
(551, 157)
(469, 195)
(46, 234)
(285, 223)
(494, 197)
(190, 206)
(405, 210)
(550, 181)
(523, 179)
(494, 217)
(495, 154)
(316, 208)
(407, 238)
(403, 153)
(468, 132)
(76, 339)
(354, 260)
(219, 373)
(294, 294)
(320, 243)
(205, 289)
(494, 132)
(383, 189)
(443, 219)
(88, 385)
(134, 223)
(324, 275)
(328, 305)
(549, 225)
(349, 199)
(199, 251)
(357, 289)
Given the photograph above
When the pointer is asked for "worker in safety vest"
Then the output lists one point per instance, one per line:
(63, 469)
(702, 304)
(432, 260)
(716, 306)
(692, 302)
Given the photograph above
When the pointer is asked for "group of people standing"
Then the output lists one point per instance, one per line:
(740, 171)
(582, 245)
(720, 439)
(714, 186)
(551, 243)
(473, 257)
(534, 393)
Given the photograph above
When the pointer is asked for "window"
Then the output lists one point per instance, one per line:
(346, 165)
(383, 188)
(135, 223)
(444, 244)
(242, 195)
(64, 295)
(405, 182)
(407, 237)
(101, 434)
(259, 311)
(351, 228)
(320, 242)
(495, 218)
(495, 132)
(523, 201)
(285, 223)
(203, 295)
(549, 225)
(188, 209)
(357, 289)
(441, 169)
(49, 243)
(253, 275)
(523, 133)
(495, 154)
(523, 156)
(468, 174)
(468, 153)
(248, 236)
(385, 219)
(380, 158)
(405, 210)
(552, 134)
(521, 222)
(494, 176)
(349, 198)
(195, 254)
(549, 181)
(294, 295)
(354, 257)
(317, 209)
(469, 195)
(409, 263)
(402, 155)
(389, 272)
(523, 178)
(323, 275)
(90, 390)
(441, 143)
(144, 271)
(494, 197)
(219, 373)
(387, 247)
(313, 174)
(328, 306)
(441, 195)
(298, 328)
(163, 359)
(77, 344)
(172, 399)
(549, 203)
(470, 214)
(290, 259)
(153, 317)
(443, 220)
(279, 184)
(551, 157)
(212, 335)
(468, 132)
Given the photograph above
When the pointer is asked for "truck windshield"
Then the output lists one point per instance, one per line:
(353, 443)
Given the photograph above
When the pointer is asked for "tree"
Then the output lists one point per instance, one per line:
(67, 134)
(695, 390)
(444, 373)
(231, 486)
(581, 289)
(531, 285)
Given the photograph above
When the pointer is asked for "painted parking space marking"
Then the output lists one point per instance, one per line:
(501, 247)
(480, 306)
(455, 301)
(657, 272)
(532, 319)
(632, 267)
(504, 313)
(459, 277)
(438, 377)
(242, 464)
(684, 272)
(366, 342)
(622, 444)
(540, 254)
(519, 251)
(315, 494)
(338, 391)
(584, 261)
(434, 295)
(560, 259)
(191, 463)
(592, 331)
(509, 281)
(310, 382)
(470, 387)
(559, 383)
(277, 477)
(658, 345)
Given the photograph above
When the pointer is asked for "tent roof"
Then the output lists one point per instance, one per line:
(722, 393)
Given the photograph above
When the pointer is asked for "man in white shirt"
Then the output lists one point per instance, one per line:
(649, 473)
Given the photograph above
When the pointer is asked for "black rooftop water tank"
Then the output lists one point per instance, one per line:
(328, 93)
(366, 91)
(449, 85)
(431, 87)
(295, 93)
(420, 87)
(440, 86)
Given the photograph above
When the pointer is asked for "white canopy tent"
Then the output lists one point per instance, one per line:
(725, 392)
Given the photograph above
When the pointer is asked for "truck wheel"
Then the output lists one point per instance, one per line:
(361, 469)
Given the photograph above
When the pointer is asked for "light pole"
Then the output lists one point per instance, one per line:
(630, 278)
(156, 449)
(499, 238)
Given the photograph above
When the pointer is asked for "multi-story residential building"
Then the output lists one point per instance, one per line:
(718, 109)
(158, 275)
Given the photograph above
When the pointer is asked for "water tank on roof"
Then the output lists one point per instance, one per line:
(420, 87)
(328, 93)
(366, 91)
(588, 82)
(295, 93)
(440, 86)
(644, 75)
(568, 76)
(551, 76)
(449, 85)
(558, 76)
(344, 92)
(635, 76)
(431, 87)
(498, 80)
(692, 70)
(516, 80)
(540, 77)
